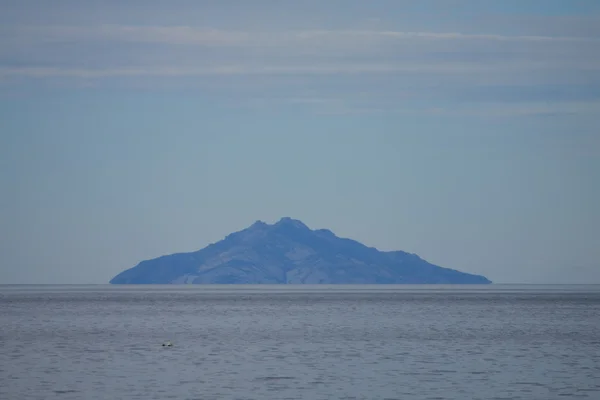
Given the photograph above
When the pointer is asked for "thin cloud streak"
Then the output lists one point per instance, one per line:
(495, 111)
(188, 35)
(119, 50)
(355, 105)
(311, 69)
(41, 72)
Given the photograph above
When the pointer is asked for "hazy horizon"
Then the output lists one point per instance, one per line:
(465, 133)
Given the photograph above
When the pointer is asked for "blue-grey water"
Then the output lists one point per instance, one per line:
(312, 342)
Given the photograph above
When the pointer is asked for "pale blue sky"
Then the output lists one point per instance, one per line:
(465, 131)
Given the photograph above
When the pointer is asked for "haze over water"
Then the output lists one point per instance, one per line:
(300, 342)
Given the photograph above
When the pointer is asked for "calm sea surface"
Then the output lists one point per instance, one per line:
(300, 342)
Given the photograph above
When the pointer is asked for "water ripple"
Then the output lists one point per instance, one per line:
(439, 344)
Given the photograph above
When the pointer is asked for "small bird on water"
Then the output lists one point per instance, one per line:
(167, 344)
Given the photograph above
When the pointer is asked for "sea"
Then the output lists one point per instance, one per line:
(300, 342)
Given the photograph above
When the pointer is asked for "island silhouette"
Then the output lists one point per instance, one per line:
(289, 252)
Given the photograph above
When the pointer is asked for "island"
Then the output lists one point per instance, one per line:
(289, 252)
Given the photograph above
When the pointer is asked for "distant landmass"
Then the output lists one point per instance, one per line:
(289, 252)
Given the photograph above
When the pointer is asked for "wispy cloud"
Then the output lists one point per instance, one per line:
(369, 105)
(136, 34)
(448, 68)
(389, 60)
(120, 50)
(514, 110)
(189, 35)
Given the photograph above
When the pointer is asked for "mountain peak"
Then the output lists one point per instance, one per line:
(258, 224)
(290, 222)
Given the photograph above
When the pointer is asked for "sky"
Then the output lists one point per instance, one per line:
(465, 131)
